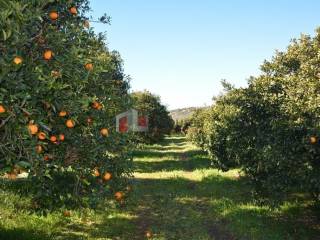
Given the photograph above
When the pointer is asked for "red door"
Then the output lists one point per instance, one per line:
(123, 124)
(142, 121)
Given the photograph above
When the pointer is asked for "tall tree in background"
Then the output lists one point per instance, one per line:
(160, 122)
(60, 89)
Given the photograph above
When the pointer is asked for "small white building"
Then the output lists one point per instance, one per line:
(131, 121)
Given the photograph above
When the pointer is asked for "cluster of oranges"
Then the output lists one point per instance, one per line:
(54, 15)
(107, 177)
(70, 123)
(48, 54)
(42, 136)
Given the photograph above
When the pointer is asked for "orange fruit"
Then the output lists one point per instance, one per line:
(118, 195)
(39, 149)
(53, 139)
(33, 129)
(61, 137)
(73, 10)
(104, 132)
(46, 158)
(42, 136)
(63, 113)
(53, 15)
(96, 172)
(313, 140)
(70, 123)
(2, 109)
(47, 55)
(99, 107)
(67, 213)
(107, 176)
(148, 234)
(86, 24)
(89, 66)
(17, 60)
(95, 105)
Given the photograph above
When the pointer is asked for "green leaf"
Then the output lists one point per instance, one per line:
(24, 164)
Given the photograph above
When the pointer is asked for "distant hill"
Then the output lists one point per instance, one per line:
(182, 113)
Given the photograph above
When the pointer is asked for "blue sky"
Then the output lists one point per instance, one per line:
(181, 49)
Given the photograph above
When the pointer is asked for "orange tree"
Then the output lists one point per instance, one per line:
(195, 132)
(60, 89)
(271, 128)
(160, 122)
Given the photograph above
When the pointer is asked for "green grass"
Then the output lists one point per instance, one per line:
(177, 195)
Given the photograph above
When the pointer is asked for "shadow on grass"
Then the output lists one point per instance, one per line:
(31, 234)
(21, 234)
(224, 206)
(214, 208)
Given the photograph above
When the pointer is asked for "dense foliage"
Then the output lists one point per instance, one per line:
(182, 126)
(60, 89)
(160, 122)
(271, 128)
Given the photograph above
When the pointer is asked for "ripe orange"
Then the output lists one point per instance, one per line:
(63, 113)
(148, 234)
(107, 176)
(118, 195)
(47, 55)
(89, 66)
(33, 129)
(42, 136)
(313, 140)
(86, 24)
(2, 109)
(73, 10)
(39, 149)
(46, 158)
(61, 137)
(53, 139)
(70, 123)
(95, 105)
(96, 172)
(53, 15)
(104, 132)
(17, 60)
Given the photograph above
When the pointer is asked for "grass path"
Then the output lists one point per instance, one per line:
(180, 196)
(177, 195)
